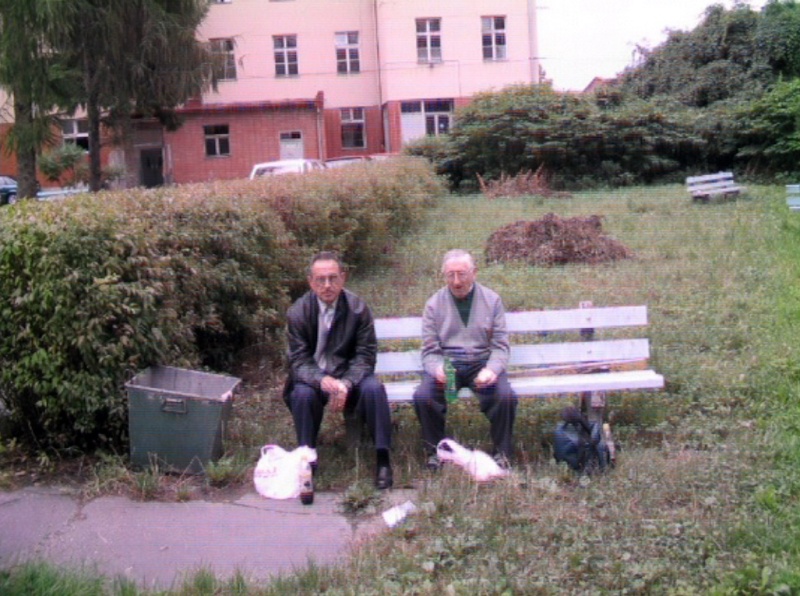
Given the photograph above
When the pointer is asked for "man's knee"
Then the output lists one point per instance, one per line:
(303, 394)
(371, 386)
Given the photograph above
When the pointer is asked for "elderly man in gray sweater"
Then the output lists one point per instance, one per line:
(465, 322)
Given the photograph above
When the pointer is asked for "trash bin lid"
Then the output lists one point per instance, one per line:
(184, 383)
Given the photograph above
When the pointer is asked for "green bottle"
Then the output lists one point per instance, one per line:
(450, 391)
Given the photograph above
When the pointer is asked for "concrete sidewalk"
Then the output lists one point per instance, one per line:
(157, 544)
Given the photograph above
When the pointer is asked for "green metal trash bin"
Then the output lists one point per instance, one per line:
(177, 417)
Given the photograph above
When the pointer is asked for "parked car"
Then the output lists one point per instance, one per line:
(340, 162)
(286, 166)
(8, 190)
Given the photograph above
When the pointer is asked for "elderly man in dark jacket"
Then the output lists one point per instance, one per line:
(332, 351)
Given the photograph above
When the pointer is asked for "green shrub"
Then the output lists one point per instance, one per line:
(97, 287)
(102, 286)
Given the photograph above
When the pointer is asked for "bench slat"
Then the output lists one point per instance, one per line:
(612, 381)
(531, 321)
(576, 318)
(398, 328)
(713, 184)
(709, 178)
(579, 352)
(403, 391)
(530, 355)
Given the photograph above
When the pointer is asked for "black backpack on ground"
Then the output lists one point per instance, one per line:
(580, 443)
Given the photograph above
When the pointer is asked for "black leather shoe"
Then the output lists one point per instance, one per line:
(384, 478)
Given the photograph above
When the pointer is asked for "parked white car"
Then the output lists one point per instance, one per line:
(340, 162)
(286, 166)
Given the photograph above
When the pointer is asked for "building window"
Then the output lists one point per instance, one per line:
(436, 114)
(285, 47)
(493, 32)
(218, 140)
(347, 58)
(224, 64)
(353, 128)
(76, 131)
(429, 40)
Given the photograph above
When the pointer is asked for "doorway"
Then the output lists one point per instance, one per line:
(152, 167)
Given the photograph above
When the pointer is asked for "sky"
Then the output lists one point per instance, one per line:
(582, 39)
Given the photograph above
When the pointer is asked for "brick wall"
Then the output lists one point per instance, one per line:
(254, 138)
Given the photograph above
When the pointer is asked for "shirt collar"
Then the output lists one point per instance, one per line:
(323, 306)
(465, 298)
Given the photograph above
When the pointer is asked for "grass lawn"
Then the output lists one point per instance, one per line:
(704, 497)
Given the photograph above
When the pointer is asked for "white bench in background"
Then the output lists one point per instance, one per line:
(793, 197)
(580, 365)
(702, 188)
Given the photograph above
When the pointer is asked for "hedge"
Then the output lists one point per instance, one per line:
(98, 287)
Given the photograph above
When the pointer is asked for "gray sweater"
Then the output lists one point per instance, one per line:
(484, 339)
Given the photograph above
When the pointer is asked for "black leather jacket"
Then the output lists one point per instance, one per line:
(350, 349)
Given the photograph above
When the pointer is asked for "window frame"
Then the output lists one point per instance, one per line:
(429, 40)
(494, 41)
(348, 52)
(221, 139)
(437, 114)
(354, 120)
(225, 49)
(76, 135)
(283, 53)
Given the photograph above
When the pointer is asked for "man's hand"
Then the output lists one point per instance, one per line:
(439, 375)
(337, 392)
(485, 378)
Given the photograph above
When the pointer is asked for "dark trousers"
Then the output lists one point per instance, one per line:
(367, 401)
(498, 403)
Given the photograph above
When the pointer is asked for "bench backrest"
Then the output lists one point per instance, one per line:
(534, 323)
(793, 196)
(710, 183)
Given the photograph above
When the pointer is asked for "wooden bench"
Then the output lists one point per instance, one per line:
(702, 188)
(582, 366)
(793, 197)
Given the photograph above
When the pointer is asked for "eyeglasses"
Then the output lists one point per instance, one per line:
(452, 275)
(323, 280)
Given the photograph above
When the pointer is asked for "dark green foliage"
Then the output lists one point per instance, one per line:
(778, 37)
(579, 141)
(98, 287)
(75, 321)
(715, 61)
(771, 138)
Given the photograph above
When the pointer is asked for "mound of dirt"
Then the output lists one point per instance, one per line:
(555, 241)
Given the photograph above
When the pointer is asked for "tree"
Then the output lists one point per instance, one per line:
(136, 58)
(35, 77)
(715, 61)
(771, 140)
(778, 37)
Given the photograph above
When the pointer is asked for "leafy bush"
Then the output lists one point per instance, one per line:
(97, 287)
(583, 141)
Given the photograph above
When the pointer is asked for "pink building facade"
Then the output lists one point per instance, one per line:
(328, 78)
(331, 78)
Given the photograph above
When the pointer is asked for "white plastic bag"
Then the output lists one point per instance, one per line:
(478, 464)
(277, 473)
